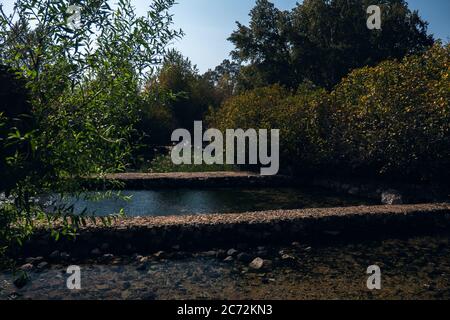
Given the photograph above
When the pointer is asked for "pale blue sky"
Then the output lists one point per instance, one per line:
(208, 23)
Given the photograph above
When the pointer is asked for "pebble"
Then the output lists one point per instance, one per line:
(210, 253)
(26, 267)
(228, 259)
(159, 254)
(55, 255)
(21, 281)
(65, 256)
(256, 264)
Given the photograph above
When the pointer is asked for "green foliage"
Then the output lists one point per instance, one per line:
(84, 88)
(394, 118)
(300, 116)
(322, 41)
(175, 98)
(391, 120)
(164, 164)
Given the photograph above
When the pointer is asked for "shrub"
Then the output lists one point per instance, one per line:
(300, 116)
(393, 119)
(390, 121)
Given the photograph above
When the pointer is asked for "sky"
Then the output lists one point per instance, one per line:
(208, 23)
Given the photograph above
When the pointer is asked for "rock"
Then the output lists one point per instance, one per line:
(65, 256)
(143, 259)
(288, 259)
(42, 265)
(96, 252)
(244, 257)
(228, 259)
(21, 281)
(295, 244)
(232, 252)
(125, 294)
(38, 260)
(211, 253)
(159, 254)
(54, 255)
(29, 260)
(256, 264)
(176, 247)
(26, 267)
(102, 287)
(14, 296)
(221, 254)
(35, 261)
(391, 197)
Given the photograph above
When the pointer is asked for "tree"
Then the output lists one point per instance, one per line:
(191, 94)
(83, 86)
(264, 45)
(223, 80)
(322, 41)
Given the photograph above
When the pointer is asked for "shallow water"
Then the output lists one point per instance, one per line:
(416, 268)
(204, 201)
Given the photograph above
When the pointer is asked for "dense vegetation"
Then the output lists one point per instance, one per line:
(391, 120)
(80, 91)
(321, 41)
(98, 98)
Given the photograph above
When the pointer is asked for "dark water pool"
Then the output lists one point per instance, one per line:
(204, 201)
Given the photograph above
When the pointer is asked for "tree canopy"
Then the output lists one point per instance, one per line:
(323, 40)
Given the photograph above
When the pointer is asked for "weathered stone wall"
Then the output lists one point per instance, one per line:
(199, 232)
(404, 193)
(143, 181)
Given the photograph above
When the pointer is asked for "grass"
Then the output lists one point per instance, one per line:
(164, 164)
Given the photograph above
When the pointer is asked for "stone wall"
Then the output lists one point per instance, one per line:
(151, 234)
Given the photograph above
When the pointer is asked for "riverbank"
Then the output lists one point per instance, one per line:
(411, 268)
(198, 232)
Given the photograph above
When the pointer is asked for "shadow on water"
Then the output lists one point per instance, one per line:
(204, 201)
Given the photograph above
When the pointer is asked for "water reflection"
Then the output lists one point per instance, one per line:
(203, 201)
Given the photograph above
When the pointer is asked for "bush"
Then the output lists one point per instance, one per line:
(84, 102)
(390, 121)
(393, 119)
(300, 116)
